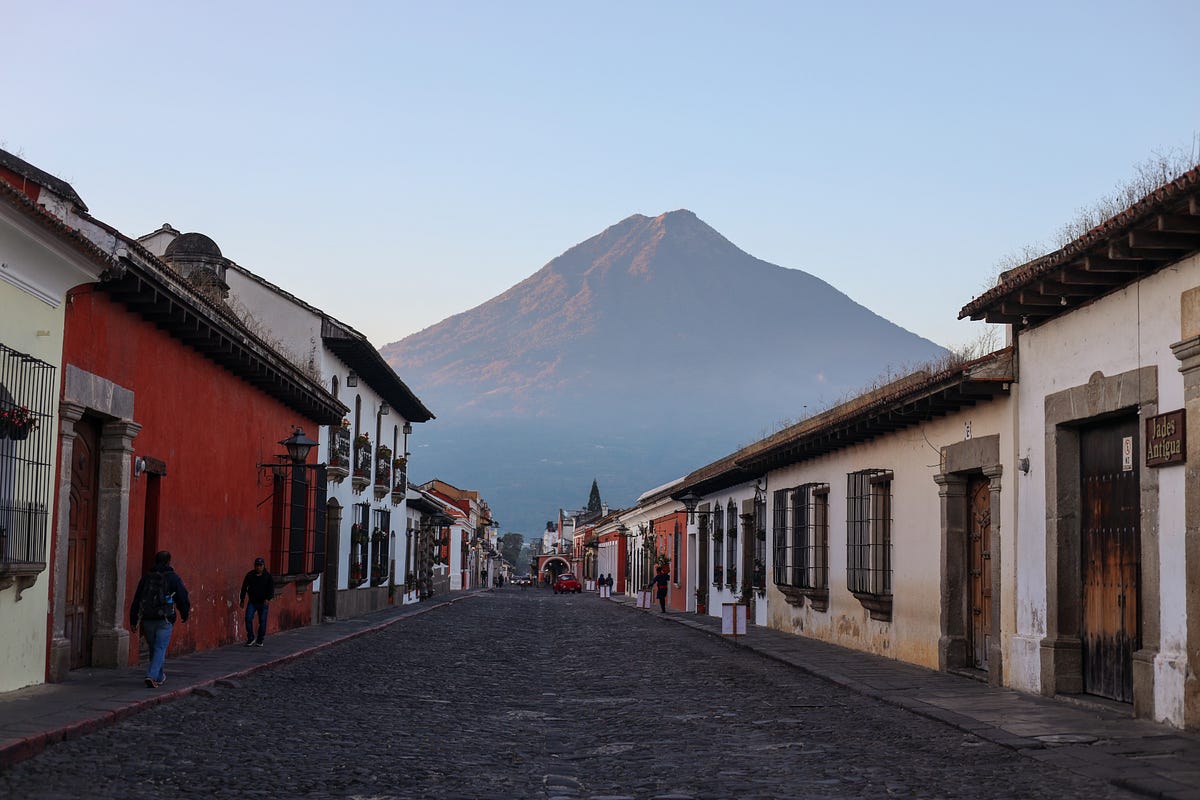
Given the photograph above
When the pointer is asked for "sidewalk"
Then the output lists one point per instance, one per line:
(1088, 738)
(32, 719)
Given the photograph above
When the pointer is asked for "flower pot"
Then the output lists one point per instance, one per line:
(19, 433)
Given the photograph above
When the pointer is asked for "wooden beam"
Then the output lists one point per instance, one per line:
(1075, 277)
(1121, 251)
(1016, 309)
(1179, 222)
(1163, 240)
(1057, 289)
(1029, 298)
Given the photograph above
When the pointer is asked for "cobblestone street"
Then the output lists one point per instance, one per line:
(540, 696)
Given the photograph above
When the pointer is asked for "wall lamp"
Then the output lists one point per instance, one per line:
(298, 446)
(352, 379)
(690, 500)
(383, 409)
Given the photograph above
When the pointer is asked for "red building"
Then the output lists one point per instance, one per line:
(670, 541)
(171, 418)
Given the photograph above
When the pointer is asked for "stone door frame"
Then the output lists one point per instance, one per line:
(112, 406)
(1134, 392)
(958, 461)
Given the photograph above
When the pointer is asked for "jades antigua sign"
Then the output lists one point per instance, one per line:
(1166, 439)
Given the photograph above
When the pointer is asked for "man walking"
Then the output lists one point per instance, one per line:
(159, 594)
(260, 587)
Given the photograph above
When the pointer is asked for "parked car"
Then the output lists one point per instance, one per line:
(567, 583)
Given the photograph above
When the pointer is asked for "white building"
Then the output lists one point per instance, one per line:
(40, 259)
(366, 459)
(1107, 562)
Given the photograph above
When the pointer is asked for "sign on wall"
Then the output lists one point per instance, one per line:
(1166, 439)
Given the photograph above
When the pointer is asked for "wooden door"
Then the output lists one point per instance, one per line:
(1110, 544)
(979, 568)
(81, 543)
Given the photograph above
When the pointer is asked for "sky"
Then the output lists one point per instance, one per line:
(395, 163)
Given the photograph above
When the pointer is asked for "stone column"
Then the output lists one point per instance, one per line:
(995, 649)
(60, 646)
(1188, 353)
(952, 645)
(110, 640)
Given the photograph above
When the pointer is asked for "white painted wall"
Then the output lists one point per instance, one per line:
(36, 271)
(1128, 329)
(299, 328)
(913, 455)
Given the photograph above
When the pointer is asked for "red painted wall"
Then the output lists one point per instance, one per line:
(212, 429)
(666, 530)
(622, 552)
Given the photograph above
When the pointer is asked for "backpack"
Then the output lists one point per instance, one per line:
(156, 602)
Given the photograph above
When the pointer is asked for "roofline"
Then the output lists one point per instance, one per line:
(1158, 230)
(903, 403)
(41, 178)
(356, 351)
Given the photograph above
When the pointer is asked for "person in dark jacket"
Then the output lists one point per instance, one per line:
(661, 582)
(259, 586)
(158, 620)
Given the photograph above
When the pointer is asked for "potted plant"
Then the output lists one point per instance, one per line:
(701, 601)
(17, 422)
(339, 452)
(362, 462)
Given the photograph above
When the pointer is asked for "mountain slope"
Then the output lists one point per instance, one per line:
(640, 353)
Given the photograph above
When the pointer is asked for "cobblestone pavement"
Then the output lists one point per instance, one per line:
(525, 694)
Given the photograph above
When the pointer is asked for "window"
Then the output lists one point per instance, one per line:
(380, 535)
(27, 387)
(360, 537)
(759, 576)
(298, 519)
(718, 538)
(675, 553)
(801, 536)
(779, 537)
(731, 544)
(869, 539)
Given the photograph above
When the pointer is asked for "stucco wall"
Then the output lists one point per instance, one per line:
(211, 429)
(1125, 331)
(32, 324)
(913, 455)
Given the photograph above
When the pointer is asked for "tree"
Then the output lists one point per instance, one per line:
(510, 547)
(594, 505)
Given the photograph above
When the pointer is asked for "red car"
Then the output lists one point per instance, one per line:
(567, 583)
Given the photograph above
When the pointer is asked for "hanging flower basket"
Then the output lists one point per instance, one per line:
(358, 534)
(17, 422)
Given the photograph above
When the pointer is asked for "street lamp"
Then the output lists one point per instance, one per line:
(298, 446)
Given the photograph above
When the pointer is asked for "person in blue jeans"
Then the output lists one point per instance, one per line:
(259, 586)
(159, 600)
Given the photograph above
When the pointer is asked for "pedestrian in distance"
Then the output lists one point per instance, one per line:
(609, 582)
(259, 587)
(159, 598)
(661, 581)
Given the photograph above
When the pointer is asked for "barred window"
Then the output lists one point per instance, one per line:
(759, 575)
(675, 543)
(718, 538)
(27, 387)
(802, 536)
(869, 532)
(359, 539)
(298, 518)
(731, 544)
(779, 536)
(380, 536)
